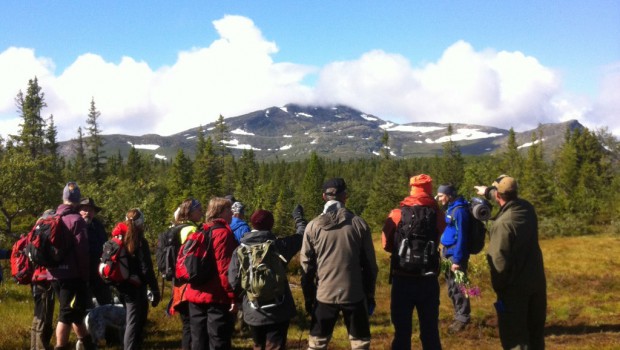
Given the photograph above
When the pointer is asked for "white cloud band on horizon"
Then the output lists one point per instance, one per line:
(236, 74)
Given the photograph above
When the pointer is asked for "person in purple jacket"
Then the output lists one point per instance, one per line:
(70, 277)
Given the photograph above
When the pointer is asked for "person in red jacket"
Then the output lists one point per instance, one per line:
(412, 291)
(212, 306)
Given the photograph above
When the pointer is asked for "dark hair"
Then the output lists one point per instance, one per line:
(186, 208)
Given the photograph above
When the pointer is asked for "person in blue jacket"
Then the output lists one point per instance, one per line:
(454, 242)
(238, 225)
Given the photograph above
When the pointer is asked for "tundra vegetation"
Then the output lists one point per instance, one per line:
(576, 191)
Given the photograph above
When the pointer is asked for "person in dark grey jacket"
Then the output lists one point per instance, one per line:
(269, 325)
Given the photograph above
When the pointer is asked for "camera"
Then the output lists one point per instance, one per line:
(480, 208)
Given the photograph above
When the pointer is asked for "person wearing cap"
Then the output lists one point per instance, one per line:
(70, 278)
(134, 291)
(97, 236)
(411, 292)
(454, 241)
(269, 325)
(238, 224)
(189, 216)
(339, 270)
(517, 269)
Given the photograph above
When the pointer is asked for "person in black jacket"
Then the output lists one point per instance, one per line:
(97, 236)
(269, 325)
(133, 292)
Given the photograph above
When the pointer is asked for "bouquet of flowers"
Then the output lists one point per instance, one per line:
(461, 280)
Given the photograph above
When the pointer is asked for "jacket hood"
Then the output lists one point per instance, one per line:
(458, 202)
(419, 198)
(332, 219)
(253, 237)
(119, 229)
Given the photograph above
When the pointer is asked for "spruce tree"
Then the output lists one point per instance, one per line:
(311, 188)
(95, 143)
(451, 167)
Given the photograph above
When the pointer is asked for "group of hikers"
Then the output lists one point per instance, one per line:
(227, 267)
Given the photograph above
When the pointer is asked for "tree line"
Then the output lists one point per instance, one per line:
(574, 190)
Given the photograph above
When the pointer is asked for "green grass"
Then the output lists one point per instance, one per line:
(583, 279)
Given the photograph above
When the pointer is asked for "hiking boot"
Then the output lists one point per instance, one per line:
(456, 327)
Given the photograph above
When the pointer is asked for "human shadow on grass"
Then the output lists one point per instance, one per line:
(581, 329)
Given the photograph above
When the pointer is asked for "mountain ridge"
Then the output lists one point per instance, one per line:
(293, 131)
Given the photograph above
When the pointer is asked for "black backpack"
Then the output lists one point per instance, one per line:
(168, 245)
(416, 250)
(477, 228)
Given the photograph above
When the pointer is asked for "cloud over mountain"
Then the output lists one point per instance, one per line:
(237, 74)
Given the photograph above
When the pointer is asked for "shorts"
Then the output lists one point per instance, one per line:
(72, 294)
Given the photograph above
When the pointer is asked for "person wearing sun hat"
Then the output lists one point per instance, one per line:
(517, 269)
(97, 236)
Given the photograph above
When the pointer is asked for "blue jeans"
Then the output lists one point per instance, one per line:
(421, 293)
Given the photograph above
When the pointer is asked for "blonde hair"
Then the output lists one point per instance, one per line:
(135, 228)
(216, 207)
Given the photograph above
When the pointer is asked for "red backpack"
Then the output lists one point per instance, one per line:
(114, 266)
(195, 261)
(22, 269)
(48, 243)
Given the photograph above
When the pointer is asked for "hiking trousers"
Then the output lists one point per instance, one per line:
(137, 308)
(212, 326)
(521, 319)
(460, 301)
(421, 293)
(324, 317)
(42, 322)
(270, 336)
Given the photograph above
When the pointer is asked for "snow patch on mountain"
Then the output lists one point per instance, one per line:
(234, 143)
(149, 147)
(301, 114)
(159, 156)
(530, 144)
(371, 119)
(241, 132)
(465, 134)
(284, 148)
(413, 128)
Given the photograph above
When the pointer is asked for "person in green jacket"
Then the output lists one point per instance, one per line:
(517, 270)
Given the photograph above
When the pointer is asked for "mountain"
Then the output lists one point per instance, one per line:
(339, 132)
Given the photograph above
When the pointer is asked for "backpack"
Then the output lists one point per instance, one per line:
(168, 245)
(22, 269)
(477, 228)
(114, 266)
(48, 243)
(415, 240)
(195, 262)
(262, 271)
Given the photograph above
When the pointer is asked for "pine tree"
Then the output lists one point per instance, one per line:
(206, 182)
(95, 143)
(32, 130)
(311, 187)
(511, 159)
(180, 180)
(247, 176)
(221, 136)
(79, 163)
(451, 168)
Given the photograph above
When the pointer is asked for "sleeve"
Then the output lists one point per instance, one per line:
(233, 273)
(224, 244)
(389, 228)
(5, 254)
(308, 262)
(461, 218)
(368, 261)
(82, 249)
(499, 256)
(290, 245)
(147, 266)
(441, 223)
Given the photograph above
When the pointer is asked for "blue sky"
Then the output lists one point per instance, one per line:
(163, 67)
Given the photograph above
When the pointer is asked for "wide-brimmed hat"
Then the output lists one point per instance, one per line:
(87, 201)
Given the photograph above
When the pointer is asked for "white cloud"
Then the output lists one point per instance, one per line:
(236, 74)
